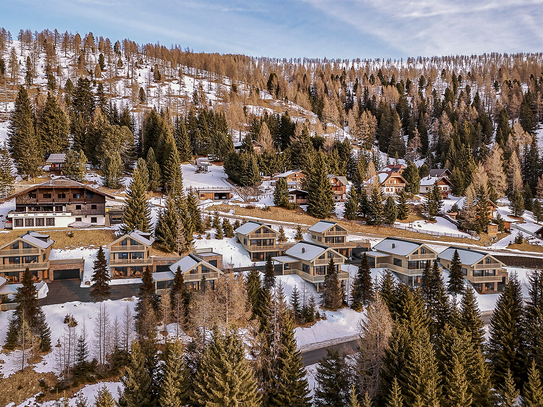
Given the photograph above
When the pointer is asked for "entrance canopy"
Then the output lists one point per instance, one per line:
(285, 259)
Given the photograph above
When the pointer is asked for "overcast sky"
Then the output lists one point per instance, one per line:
(297, 28)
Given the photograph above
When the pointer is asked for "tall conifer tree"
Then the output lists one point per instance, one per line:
(100, 290)
(320, 198)
(137, 213)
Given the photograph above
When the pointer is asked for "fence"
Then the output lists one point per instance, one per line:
(435, 232)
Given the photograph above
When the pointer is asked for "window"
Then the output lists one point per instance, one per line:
(90, 194)
(50, 221)
(93, 206)
(78, 219)
(76, 196)
(205, 269)
(14, 246)
(488, 260)
(18, 223)
(422, 250)
(412, 265)
(78, 207)
(305, 268)
(29, 222)
(137, 255)
(398, 262)
(94, 219)
(32, 196)
(465, 271)
(124, 242)
(61, 196)
(46, 196)
(40, 222)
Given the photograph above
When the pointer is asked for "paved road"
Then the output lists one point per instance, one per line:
(314, 356)
(69, 290)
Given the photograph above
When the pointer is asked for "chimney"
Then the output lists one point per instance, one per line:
(303, 249)
(393, 245)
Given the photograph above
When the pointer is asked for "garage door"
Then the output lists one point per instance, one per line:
(65, 274)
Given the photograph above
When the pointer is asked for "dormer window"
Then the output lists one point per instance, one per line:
(422, 250)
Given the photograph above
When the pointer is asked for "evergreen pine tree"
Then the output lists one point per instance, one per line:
(299, 236)
(194, 212)
(295, 304)
(456, 278)
(146, 292)
(363, 291)
(53, 127)
(506, 347)
(364, 204)
(227, 228)
(112, 169)
(155, 175)
(290, 384)
(507, 391)
(516, 203)
(533, 390)
(281, 238)
(470, 318)
(104, 398)
(171, 169)
(136, 381)
(219, 235)
(351, 206)
(280, 194)
(24, 143)
(167, 228)
(333, 380)
(333, 293)
(173, 390)
(6, 177)
(269, 275)
(537, 211)
(253, 287)
(391, 211)
(403, 207)
(376, 212)
(182, 140)
(137, 213)
(320, 197)
(100, 290)
(534, 318)
(224, 377)
(395, 398)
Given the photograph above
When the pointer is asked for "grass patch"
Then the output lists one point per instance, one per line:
(79, 239)
(527, 247)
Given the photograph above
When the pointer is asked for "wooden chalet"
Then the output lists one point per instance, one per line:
(55, 163)
(129, 255)
(214, 193)
(59, 202)
(334, 235)
(260, 240)
(339, 186)
(444, 184)
(294, 178)
(195, 269)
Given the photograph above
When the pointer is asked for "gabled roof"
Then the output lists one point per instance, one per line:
(385, 176)
(189, 262)
(431, 180)
(323, 225)
(144, 238)
(340, 178)
(467, 256)
(286, 174)
(397, 168)
(33, 238)
(440, 172)
(250, 227)
(61, 182)
(308, 251)
(398, 246)
(56, 159)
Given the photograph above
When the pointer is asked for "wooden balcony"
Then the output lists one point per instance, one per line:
(321, 262)
(402, 270)
(335, 233)
(315, 278)
(491, 266)
(191, 278)
(8, 252)
(23, 266)
(485, 279)
(132, 262)
(266, 235)
(427, 256)
(131, 248)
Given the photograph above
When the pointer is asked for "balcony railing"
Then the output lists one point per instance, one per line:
(336, 233)
(315, 278)
(402, 270)
(23, 266)
(198, 276)
(142, 262)
(263, 235)
(491, 266)
(131, 248)
(485, 279)
(327, 261)
(427, 256)
(33, 250)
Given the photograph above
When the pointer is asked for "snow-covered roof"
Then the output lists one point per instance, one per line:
(383, 176)
(397, 246)
(286, 174)
(2, 281)
(61, 182)
(322, 226)
(145, 238)
(439, 172)
(56, 159)
(185, 264)
(340, 178)
(248, 227)
(163, 276)
(306, 250)
(37, 239)
(285, 259)
(427, 181)
(375, 253)
(467, 256)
